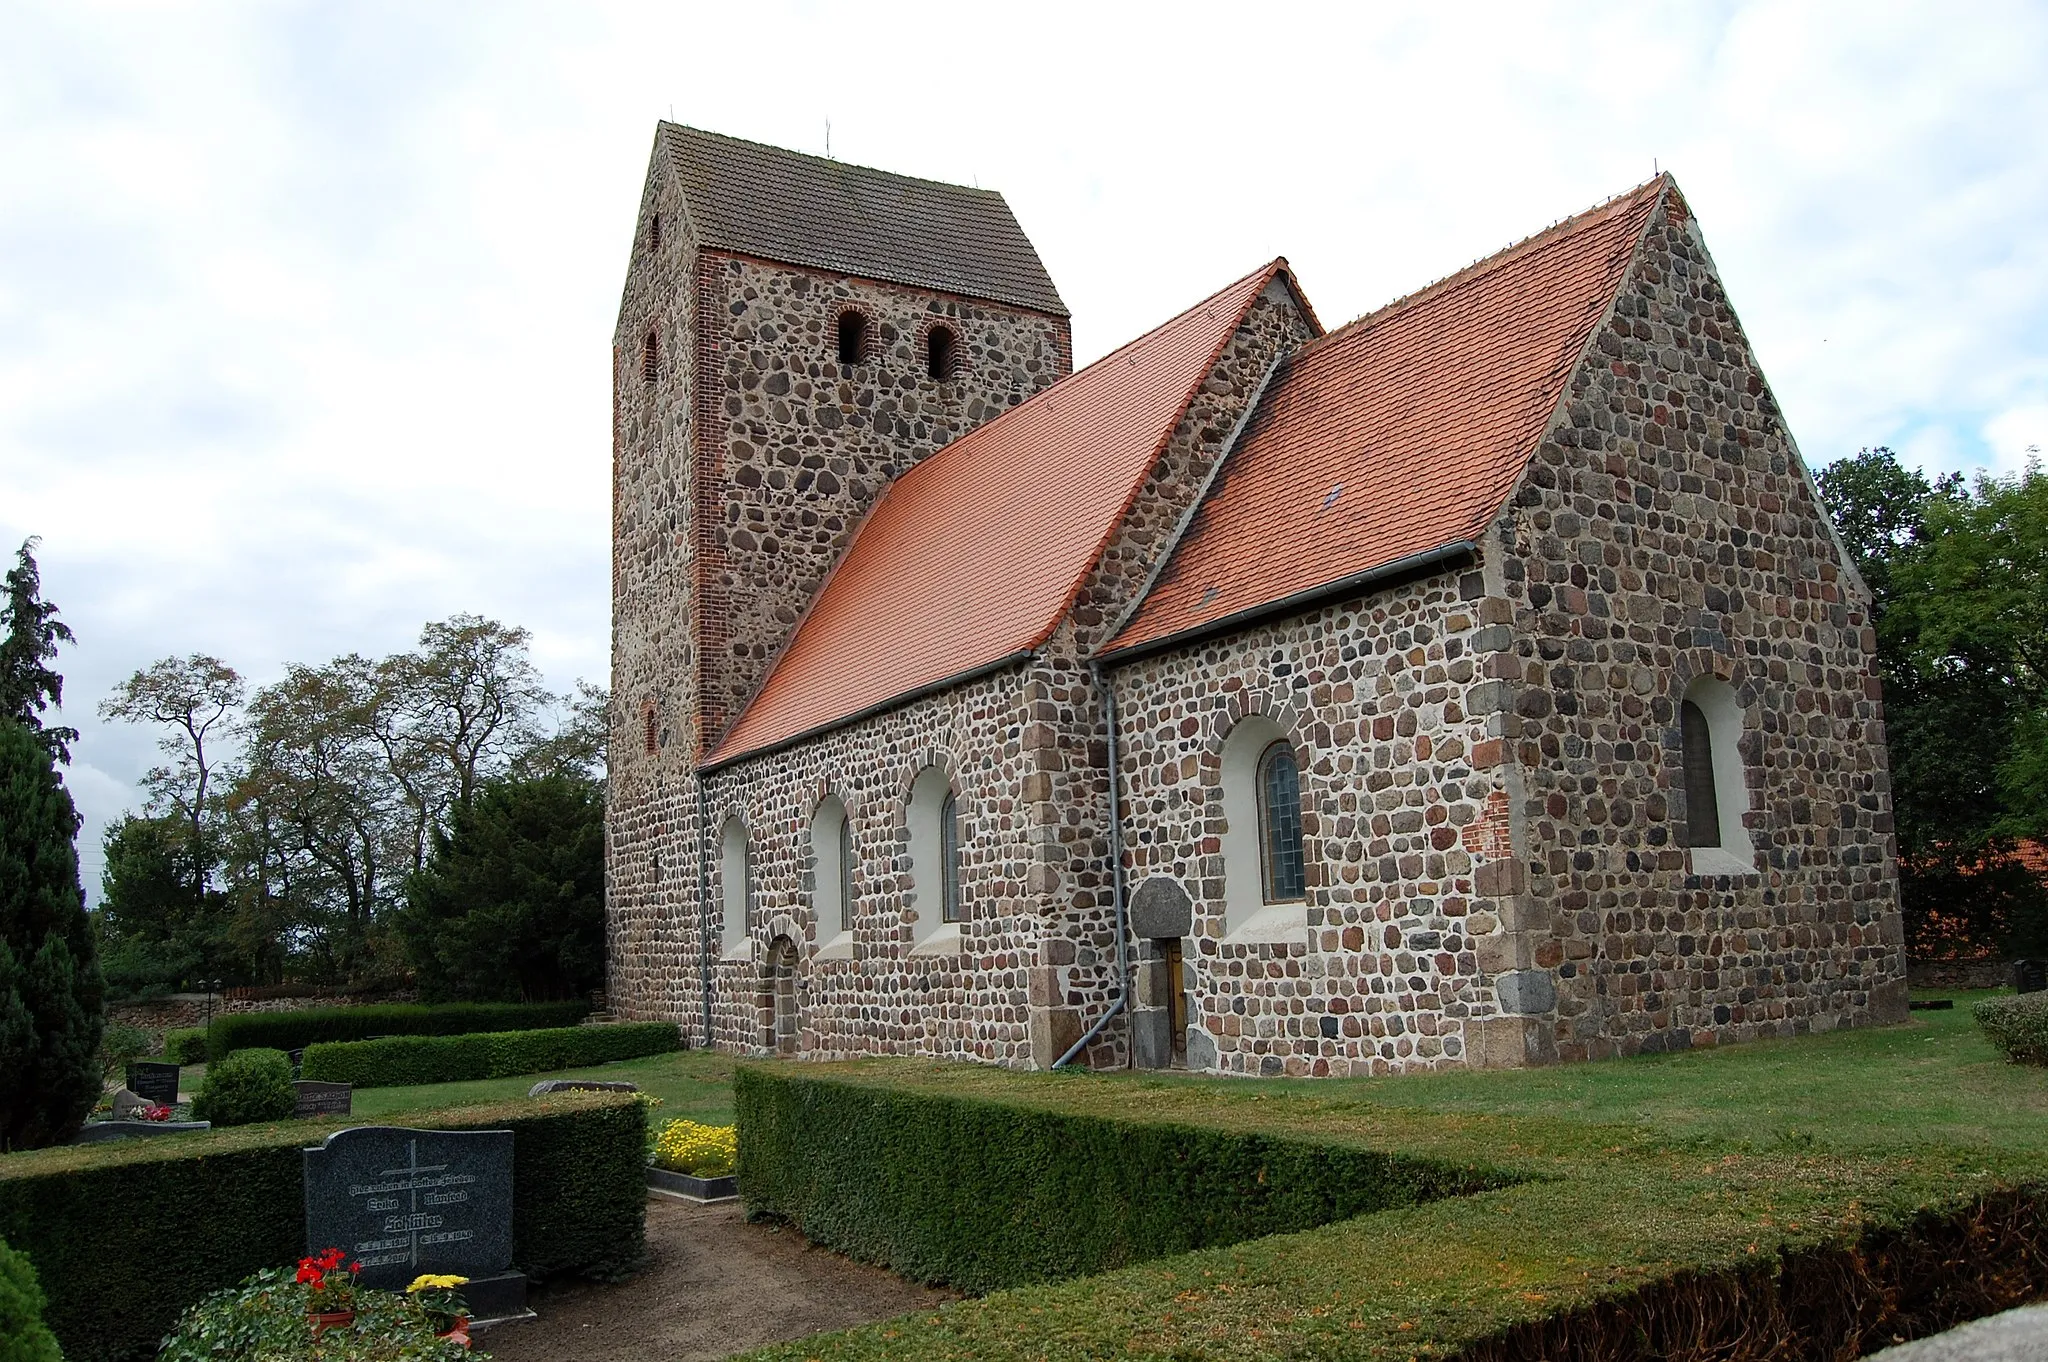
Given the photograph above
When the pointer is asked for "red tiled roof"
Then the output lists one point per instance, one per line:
(1399, 434)
(973, 556)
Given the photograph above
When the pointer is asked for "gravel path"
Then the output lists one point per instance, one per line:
(714, 1285)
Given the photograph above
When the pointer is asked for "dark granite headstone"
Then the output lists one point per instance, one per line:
(403, 1202)
(322, 1099)
(156, 1083)
(2029, 976)
(548, 1085)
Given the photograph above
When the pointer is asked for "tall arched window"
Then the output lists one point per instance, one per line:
(832, 877)
(1711, 774)
(934, 863)
(1282, 877)
(853, 337)
(736, 883)
(1265, 873)
(949, 855)
(939, 348)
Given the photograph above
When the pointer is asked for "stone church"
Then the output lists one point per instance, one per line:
(1477, 683)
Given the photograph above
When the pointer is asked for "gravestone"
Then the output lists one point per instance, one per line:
(322, 1099)
(402, 1202)
(155, 1083)
(2029, 976)
(95, 1131)
(548, 1085)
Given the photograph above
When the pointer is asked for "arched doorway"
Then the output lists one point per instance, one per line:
(781, 1024)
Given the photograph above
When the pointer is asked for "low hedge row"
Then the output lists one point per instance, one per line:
(126, 1234)
(402, 1061)
(297, 1030)
(185, 1045)
(2018, 1026)
(983, 1195)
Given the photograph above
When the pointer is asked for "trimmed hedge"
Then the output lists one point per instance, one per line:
(127, 1234)
(982, 1196)
(402, 1061)
(185, 1045)
(297, 1030)
(2018, 1026)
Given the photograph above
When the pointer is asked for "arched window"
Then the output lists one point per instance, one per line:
(1282, 875)
(832, 875)
(736, 883)
(853, 337)
(939, 349)
(1265, 872)
(650, 357)
(949, 855)
(934, 863)
(1712, 777)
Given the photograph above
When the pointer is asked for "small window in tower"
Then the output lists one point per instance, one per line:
(938, 353)
(650, 357)
(648, 723)
(853, 337)
(654, 232)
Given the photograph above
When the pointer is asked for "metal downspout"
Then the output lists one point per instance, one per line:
(1116, 880)
(703, 908)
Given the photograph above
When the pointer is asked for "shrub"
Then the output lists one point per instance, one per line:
(701, 1151)
(2018, 1026)
(982, 1196)
(265, 1318)
(297, 1030)
(237, 1200)
(246, 1087)
(186, 1045)
(402, 1061)
(23, 1335)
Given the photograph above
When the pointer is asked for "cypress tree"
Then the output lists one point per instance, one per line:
(51, 993)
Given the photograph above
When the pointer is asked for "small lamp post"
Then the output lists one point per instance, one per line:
(212, 986)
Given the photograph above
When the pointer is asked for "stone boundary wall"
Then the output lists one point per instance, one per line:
(178, 1011)
(1959, 973)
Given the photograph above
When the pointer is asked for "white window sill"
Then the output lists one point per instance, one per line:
(1276, 924)
(742, 949)
(839, 947)
(944, 940)
(1720, 861)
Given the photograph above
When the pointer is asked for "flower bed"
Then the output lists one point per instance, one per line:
(689, 1159)
(276, 1315)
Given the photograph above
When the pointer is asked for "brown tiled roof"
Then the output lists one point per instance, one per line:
(971, 558)
(1397, 436)
(809, 210)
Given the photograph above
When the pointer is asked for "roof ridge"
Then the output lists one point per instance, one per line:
(665, 125)
(1485, 265)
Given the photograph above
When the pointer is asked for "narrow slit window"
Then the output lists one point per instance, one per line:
(647, 721)
(949, 857)
(1702, 803)
(853, 337)
(938, 353)
(845, 873)
(650, 357)
(654, 232)
(1280, 816)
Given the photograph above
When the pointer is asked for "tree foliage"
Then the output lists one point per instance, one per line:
(1959, 574)
(51, 993)
(297, 844)
(29, 634)
(510, 906)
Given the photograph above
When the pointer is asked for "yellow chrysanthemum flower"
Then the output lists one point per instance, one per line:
(699, 1150)
(437, 1281)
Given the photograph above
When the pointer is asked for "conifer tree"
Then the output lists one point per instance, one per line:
(51, 993)
(29, 634)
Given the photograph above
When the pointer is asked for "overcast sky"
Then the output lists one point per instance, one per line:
(305, 310)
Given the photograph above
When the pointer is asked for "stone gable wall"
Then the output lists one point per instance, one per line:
(1664, 531)
(1397, 831)
(800, 446)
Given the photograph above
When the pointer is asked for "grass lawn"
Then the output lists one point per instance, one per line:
(1653, 1183)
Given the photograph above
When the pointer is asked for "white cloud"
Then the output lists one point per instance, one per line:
(305, 311)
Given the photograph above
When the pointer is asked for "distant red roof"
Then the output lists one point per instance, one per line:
(1399, 434)
(973, 556)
